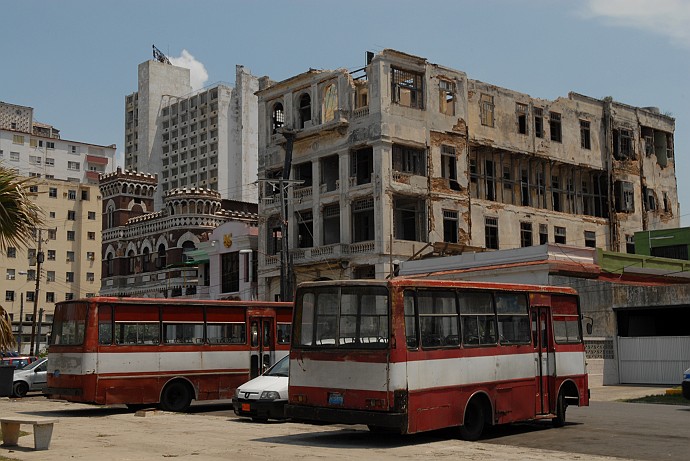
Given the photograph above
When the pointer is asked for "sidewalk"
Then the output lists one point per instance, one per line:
(601, 393)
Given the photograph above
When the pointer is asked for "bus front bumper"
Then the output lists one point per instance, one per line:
(344, 416)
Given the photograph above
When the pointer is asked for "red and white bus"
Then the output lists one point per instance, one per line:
(162, 351)
(412, 355)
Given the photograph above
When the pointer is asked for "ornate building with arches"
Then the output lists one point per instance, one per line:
(151, 253)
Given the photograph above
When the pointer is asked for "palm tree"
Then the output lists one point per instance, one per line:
(19, 216)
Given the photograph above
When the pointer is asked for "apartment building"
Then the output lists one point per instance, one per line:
(404, 159)
(69, 250)
(176, 251)
(36, 149)
(205, 139)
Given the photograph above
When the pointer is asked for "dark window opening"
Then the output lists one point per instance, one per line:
(623, 144)
(409, 219)
(277, 118)
(449, 166)
(630, 244)
(331, 224)
(363, 220)
(521, 112)
(538, 122)
(585, 141)
(526, 234)
(330, 173)
(303, 172)
(230, 272)
(625, 197)
(590, 239)
(543, 234)
(409, 160)
(305, 229)
(446, 97)
(555, 126)
(362, 166)
(304, 110)
(486, 110)
(559, 235)
(450, 226)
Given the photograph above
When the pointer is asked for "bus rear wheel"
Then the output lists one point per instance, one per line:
(176, 397)
(474, 421)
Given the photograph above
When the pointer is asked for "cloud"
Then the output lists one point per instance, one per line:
(670, 18)
(198, 74)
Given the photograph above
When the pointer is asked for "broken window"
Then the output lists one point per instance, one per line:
(409, 160)
(304, 110)
(555, 126)
(409, 219)
(361, 166)
(407, 88)
(630, 244)
(303, 173)
(274, 243)
(543, 234)
(486, 109)
(450, 226)
(524, 188)
(330, 103)
(331, 224)
(525, 234)
(650, 199)
(364, 272)
(490, 174)
(590, 239)
(667, 203)
(521, 112)
(449, 166)
(363, 220)
(559, 234)
(362, 95)
(623, 144)
(491, 233)
(538, 122)
(330, 173)
(625, 196)
(663, 147)
(277, 117)
(446, 96)
(305, 228)
(556, 194)
(585, 141)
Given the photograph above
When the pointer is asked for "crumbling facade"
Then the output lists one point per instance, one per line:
(154, 254)
(405, 158)
(205, 139)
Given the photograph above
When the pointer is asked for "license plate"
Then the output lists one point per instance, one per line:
(246, 407)
(335, 398)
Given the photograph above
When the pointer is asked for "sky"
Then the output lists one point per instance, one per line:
(74, 61)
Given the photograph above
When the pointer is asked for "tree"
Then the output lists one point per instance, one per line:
(19, 216)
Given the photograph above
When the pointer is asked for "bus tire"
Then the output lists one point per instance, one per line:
(473, 423)
(561, 406)
(176, 397)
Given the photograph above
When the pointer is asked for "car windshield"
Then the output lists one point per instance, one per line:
(31, 365)
(280, 368)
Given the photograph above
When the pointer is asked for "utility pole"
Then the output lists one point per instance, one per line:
(21, 322)
(39, 261)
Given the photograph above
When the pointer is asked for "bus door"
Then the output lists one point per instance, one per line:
(543, 356)
(261, 343)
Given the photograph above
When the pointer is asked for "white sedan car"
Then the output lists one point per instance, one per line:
(265, 396)
(33, 377)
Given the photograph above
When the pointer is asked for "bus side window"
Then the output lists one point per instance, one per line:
(410, 320)
(105, 325)
(255, 334)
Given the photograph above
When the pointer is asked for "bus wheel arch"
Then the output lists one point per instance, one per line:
(177, 395)
(478, 413)
(568, 394)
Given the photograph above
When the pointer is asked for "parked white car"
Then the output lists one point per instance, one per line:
(686, 384)
(33, 377)
(265, 396)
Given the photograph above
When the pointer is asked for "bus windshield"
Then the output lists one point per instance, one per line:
(352, 317)
(68, 324)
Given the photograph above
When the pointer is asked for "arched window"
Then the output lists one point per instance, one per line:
(162, 261)
(145, 258)
(110, 267)
(304, 109)
(277, 118)
(132, 260)
(110, 214)
(330, 103)
(187, 246)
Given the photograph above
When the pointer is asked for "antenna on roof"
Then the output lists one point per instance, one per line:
(159, 56)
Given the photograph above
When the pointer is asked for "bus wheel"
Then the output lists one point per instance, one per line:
(561, 406)
(176, 397)
(473, 425)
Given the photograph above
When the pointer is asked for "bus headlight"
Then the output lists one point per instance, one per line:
(269, 395)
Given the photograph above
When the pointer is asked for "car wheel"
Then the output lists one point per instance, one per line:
(176, 397)
(20, 389)
(473, 425)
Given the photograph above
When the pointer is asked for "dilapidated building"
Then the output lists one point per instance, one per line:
(404, 158)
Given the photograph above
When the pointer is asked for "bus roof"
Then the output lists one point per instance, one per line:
(436, 283)
(176, 302)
